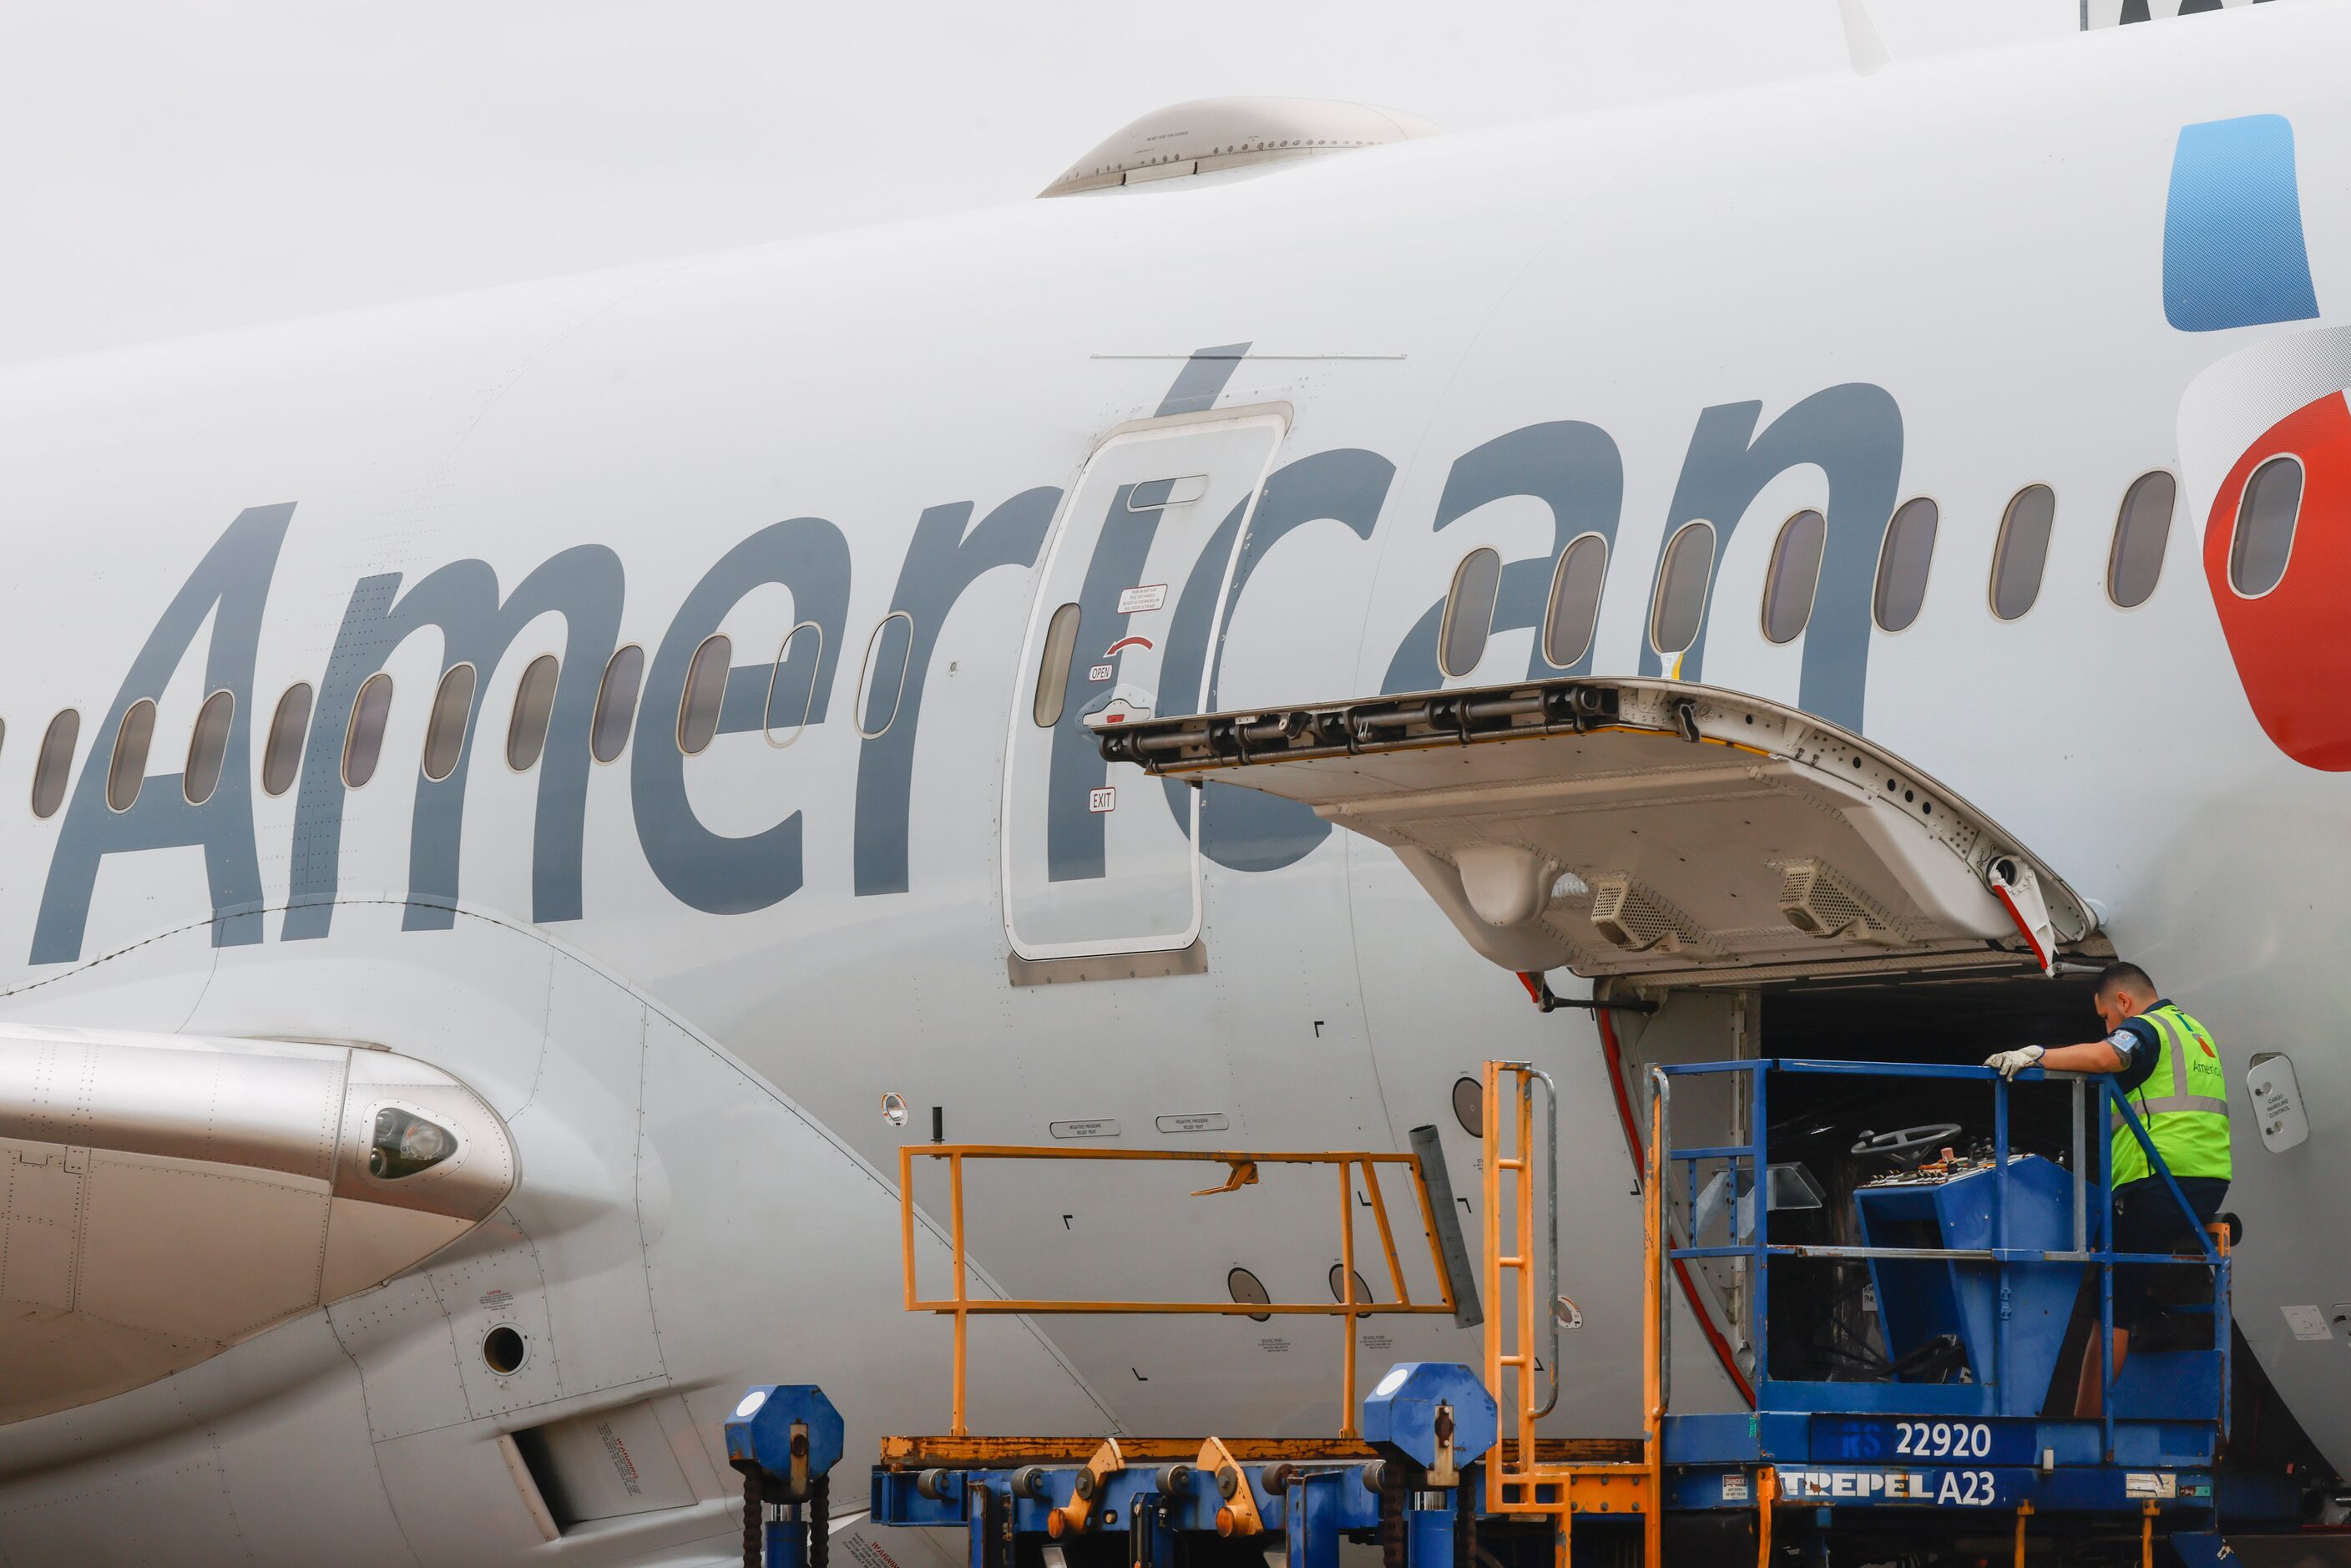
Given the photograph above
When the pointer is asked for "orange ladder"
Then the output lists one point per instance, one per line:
(1517, 1480)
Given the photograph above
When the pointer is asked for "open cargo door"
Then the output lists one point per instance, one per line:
(1666, 833)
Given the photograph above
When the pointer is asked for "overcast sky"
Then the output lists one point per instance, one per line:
(184, 165)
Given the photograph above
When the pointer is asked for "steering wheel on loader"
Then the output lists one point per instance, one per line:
(1908, 1147)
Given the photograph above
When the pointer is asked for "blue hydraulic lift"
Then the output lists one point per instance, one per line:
(1975, 1264)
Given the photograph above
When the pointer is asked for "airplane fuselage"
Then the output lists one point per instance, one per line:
(686, 975)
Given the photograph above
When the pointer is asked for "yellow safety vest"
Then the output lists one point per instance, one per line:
(2183, 1105)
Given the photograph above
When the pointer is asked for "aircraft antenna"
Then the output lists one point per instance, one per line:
(1862, 44)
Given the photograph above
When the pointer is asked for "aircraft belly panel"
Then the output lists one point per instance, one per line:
(402, 1343)
(585, 1211)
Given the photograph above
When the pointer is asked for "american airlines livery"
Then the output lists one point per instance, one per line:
(524, 803)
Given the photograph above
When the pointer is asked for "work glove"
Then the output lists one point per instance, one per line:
(2012, 1063)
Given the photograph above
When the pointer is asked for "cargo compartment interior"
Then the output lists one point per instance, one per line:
(1823, 1326)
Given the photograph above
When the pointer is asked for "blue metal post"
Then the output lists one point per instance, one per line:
(1428, 1536)
(1689, 1206)
(975, 1524)
(2106, 1268)
(2000, 1238)
(2223, 1332)
(1758, 1166)
(786, 1543)
(1313, 1516)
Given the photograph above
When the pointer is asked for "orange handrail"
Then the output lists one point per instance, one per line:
(962, 1306)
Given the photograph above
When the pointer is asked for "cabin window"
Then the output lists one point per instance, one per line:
(1470, 1105)
(792, 685)
(616, 703)
(207, 747)
(1249, 1290)
(281, 759)
(1053, 668)
(54, 763)
(1157, 494)
(444, 732)
(1794, 577)
(884, 678)
(1339, 1275)
(2023, 551)
(127, 770)
(2263, 538)
(1469, 611)
(699, 705)
(1680, 603)
(534, 705)
(2142, 529)
(363, 744)
(1902, 563)
(1574, 607)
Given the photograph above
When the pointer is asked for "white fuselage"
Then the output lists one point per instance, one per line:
(690, 1038)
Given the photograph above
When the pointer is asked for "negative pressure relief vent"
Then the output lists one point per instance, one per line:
(1636, 919)
(1819, 903)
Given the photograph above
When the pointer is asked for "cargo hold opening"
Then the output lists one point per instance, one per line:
(1824, 1327)
(1823, 1323)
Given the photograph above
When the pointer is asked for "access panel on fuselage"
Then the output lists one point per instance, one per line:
(1094, 860)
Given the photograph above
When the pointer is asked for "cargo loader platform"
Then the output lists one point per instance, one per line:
(1977, 1261)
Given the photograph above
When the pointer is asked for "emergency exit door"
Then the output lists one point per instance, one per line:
(1095, 859)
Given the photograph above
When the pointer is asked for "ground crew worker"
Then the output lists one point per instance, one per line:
(2168, 1065)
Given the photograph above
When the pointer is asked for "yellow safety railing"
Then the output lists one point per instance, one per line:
(1517, 1480)
(1243, 1172)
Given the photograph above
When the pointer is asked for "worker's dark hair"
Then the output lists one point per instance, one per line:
(2122, 977)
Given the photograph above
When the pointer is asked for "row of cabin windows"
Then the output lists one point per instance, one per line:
(1571, 607)
(790, 698)
(2259, 546)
